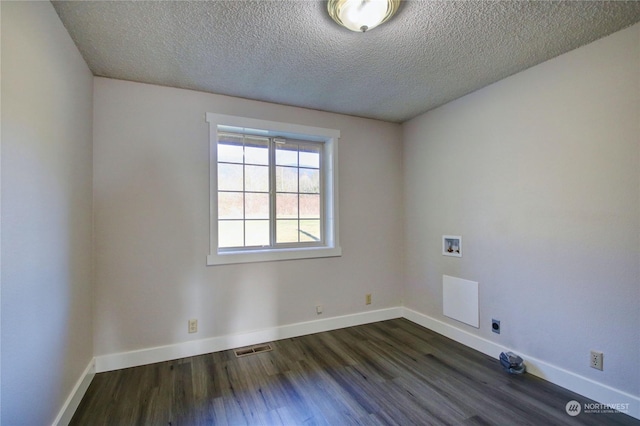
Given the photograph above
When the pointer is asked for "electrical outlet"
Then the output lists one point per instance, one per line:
(193, 326)
(597, 359)
(495, 326)
(318, 309)
(367, 299)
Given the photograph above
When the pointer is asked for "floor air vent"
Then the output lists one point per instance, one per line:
(252, 350)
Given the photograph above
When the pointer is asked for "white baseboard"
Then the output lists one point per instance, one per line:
(73, 400)
(589, 388)
(215, 344)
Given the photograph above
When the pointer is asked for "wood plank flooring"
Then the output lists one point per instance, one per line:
(388, 373)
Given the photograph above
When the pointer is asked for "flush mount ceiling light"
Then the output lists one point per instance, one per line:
(362, 15)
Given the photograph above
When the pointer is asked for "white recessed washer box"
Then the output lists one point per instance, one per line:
(452, 245)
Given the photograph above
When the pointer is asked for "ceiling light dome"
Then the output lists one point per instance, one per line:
(362, 15)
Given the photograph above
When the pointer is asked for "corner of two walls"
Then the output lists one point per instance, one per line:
(539, 174)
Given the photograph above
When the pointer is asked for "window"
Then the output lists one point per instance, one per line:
(260, 176)
(273, 191)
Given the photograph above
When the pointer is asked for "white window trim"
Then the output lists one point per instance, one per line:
(328, 137)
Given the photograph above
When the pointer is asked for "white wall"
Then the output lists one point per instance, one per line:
(540, 174)
(46, 214)
(151, 190)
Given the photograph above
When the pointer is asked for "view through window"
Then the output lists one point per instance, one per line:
(269, 192)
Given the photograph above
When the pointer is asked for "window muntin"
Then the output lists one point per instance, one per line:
(301, 190)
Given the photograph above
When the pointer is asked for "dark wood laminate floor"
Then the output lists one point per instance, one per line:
(392, 372)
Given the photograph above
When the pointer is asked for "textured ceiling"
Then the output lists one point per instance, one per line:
(292, 53)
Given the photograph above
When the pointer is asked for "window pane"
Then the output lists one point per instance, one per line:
(286, 179)
(310, 206)
(310, 157)
(257, 232)
(264, 187)
(256, 206)
(230, 233)
(287, 155)
(230, 177)
(257, 178)
(310, 181)
(310, 230)
(287, 206)
(230, 205)
(287, 231)
(230, 148)
(256, 151)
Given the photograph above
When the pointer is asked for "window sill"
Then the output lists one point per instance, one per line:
(230, 258)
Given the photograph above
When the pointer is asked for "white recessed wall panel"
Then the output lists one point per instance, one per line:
(460, 300)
